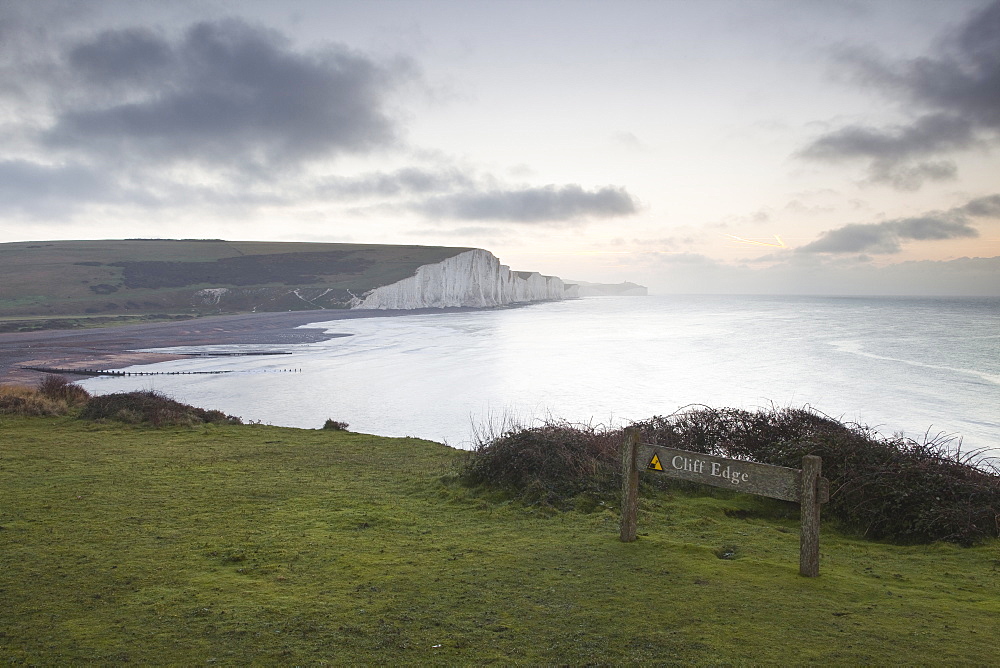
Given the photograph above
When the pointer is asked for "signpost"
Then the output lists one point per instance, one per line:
(804, 486)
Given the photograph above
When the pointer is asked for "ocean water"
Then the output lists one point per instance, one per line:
(909, 365)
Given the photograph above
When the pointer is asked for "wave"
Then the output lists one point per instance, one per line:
(853, 347)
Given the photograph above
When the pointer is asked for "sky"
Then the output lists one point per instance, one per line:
(710, 146)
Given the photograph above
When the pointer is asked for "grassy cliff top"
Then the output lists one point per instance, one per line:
(26, 253)
(144, 276)
(241, 544)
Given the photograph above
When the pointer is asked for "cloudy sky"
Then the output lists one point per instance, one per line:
(693, 146)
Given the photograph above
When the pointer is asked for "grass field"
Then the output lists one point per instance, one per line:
(262, 545)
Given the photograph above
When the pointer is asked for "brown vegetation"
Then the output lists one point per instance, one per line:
(55, 395)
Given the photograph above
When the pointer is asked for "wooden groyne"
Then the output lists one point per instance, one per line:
(111, 372)
(236, 354)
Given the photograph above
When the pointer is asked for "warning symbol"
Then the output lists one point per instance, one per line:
(654, 464)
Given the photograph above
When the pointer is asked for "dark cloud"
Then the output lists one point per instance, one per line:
(225, 93)
(224, 115)
(26, 48)
(902, 176)
(406, 181)
(455, 194)
(856, 238)
(888, 237)
(966, 80)
(930, 228)
(986, 207)
(48, 190)
(930, 134)
(124, 58)
(37, 191)
(548, 204)
(956, 92)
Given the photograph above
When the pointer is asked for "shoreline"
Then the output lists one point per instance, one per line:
(116, 347)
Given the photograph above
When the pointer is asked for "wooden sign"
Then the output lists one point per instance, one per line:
(804, 486)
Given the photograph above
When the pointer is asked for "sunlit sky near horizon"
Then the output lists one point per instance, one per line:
(787, 146)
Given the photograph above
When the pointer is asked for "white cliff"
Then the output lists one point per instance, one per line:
(473, 278)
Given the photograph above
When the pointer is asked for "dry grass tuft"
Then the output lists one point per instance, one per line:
(54, 395)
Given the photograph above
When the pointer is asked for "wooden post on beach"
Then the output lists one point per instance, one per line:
(630, 486)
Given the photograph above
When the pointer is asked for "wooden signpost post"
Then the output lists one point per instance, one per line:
(805, 486)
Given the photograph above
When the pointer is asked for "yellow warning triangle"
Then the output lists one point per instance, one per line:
(654, 464)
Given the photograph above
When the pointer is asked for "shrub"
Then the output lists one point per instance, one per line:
(150, 407)
(335, 425)
(29, 402)
(54, 395)
(885, 488)
(61, 388)
(556, 464)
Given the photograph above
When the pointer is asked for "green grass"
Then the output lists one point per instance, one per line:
(35, 323)
(262, 545)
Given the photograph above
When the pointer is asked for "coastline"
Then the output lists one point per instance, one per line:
(115, 347)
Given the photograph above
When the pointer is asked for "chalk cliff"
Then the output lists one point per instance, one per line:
(472, 278)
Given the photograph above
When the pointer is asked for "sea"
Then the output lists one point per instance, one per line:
(920, 367)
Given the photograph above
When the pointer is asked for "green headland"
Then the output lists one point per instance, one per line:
(73, 283)
(228, 544)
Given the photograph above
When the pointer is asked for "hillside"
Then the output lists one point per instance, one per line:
(238, 545)
(195, 277)
(625, 289)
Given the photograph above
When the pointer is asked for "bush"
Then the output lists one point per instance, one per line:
(556, 464)
(54, 395)
(150, 407)
(335, 425)
(884, 488)
(60, 388)
(28, 402)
